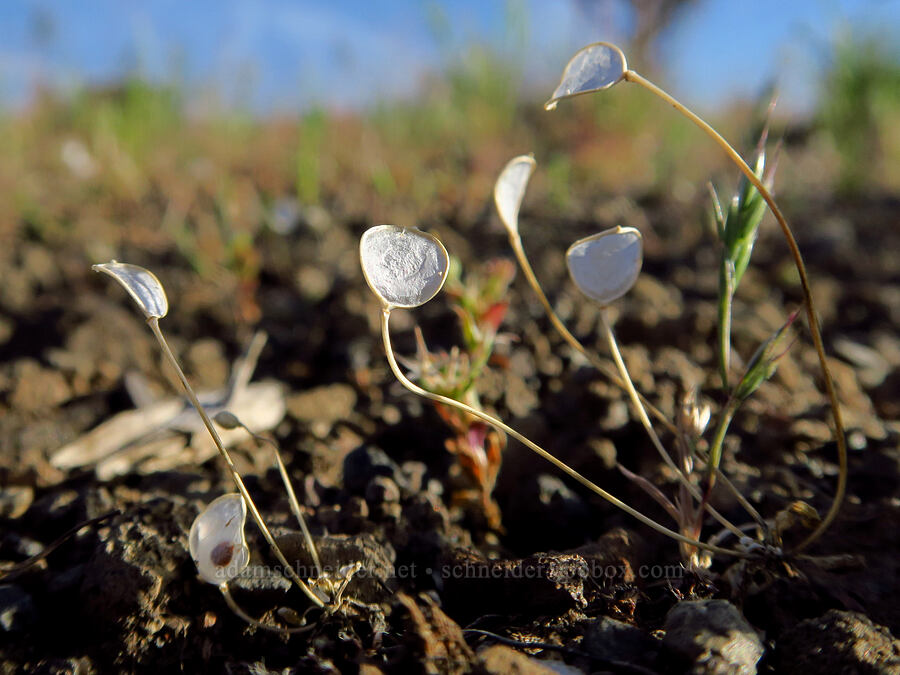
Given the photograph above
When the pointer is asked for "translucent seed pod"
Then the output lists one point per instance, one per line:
(141, 284)
(593, 68)
(217, 542)
(509, 190)
(404, 267)
(606, 265)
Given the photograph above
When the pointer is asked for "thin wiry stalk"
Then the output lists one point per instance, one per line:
(292, 496)
(636, 402)
(153, 322)
(812, 320)
(604, 367)
(515, 241)
(531, 445)
(234, 607)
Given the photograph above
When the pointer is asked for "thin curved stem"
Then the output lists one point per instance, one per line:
(292, 496)
(812, 320)
(534, 447)
(516, 242)
(234, 607)
(732, 488)
(642, 414)
(153, 322)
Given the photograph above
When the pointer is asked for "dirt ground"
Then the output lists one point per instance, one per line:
(568, 583)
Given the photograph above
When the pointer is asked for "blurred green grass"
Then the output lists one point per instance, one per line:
(106, 172)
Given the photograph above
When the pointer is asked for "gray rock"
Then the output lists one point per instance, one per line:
(838, 642)
(711, 637)
(610, 640)
(382, 489)
(366, 462)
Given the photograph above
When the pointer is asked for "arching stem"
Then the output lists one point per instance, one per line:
(292, 496)
(642, 415)
(812, 320)
(515, 241)
(234, 607)
(153, 322)
(534, 447)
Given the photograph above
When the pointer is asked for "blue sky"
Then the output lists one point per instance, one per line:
(288, 54)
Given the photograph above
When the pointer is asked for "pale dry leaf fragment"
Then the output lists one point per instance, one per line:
(509, 190)
(141, 284)
(404, 267)
(606, 265)
(217, 542)
(116, 434)
(593, 68)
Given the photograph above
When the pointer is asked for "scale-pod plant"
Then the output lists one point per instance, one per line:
(604, 267)
(217, 542)
(405, 268)
(598, 67)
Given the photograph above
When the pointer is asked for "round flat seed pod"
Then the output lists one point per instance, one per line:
(606, 265)
(509, 190)
(593, 68)
(141, 284)
(404, 267)
(217, 542)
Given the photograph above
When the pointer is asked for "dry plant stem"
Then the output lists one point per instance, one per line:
(292, 496)
(531, 445)
(153, 322)
(516, 242)
(295, 507)
(642, 414)
(813, 322)
(741, 499)
(234, 607)
(574, 343)
(8, 573)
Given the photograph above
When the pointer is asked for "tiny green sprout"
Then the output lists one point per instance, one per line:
(409, 260)
(737, 230)
(217, 542)
(600, 66)
(405, 267)
(761, 367)
(141, 284)
(593, 68)
(606, 265)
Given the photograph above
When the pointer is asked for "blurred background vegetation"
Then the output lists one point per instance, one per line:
(134, 166)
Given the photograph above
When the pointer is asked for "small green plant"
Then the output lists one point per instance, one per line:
(308, 182)
(860, 94)
(737, 229)
(479, 301)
